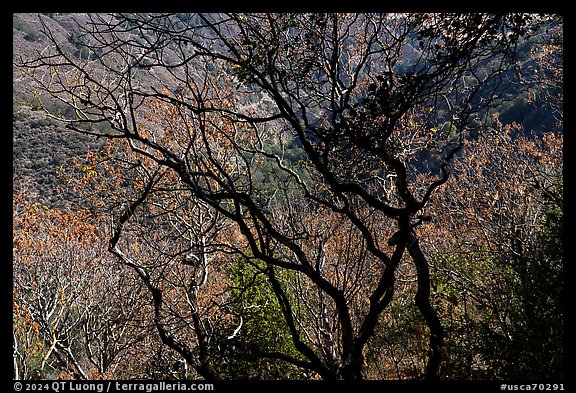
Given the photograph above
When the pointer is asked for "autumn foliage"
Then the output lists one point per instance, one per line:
(294, 196)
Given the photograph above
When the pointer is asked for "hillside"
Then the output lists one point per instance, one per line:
(40, 144)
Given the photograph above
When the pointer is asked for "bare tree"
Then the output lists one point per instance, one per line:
(367, 102)
(74, 314)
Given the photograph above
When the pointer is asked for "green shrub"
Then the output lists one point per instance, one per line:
(263, 326)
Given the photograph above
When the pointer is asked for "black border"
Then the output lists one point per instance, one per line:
(560, 7)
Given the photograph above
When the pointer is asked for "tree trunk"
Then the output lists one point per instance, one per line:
(422, 300)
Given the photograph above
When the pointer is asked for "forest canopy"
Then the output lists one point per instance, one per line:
(288, 196)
